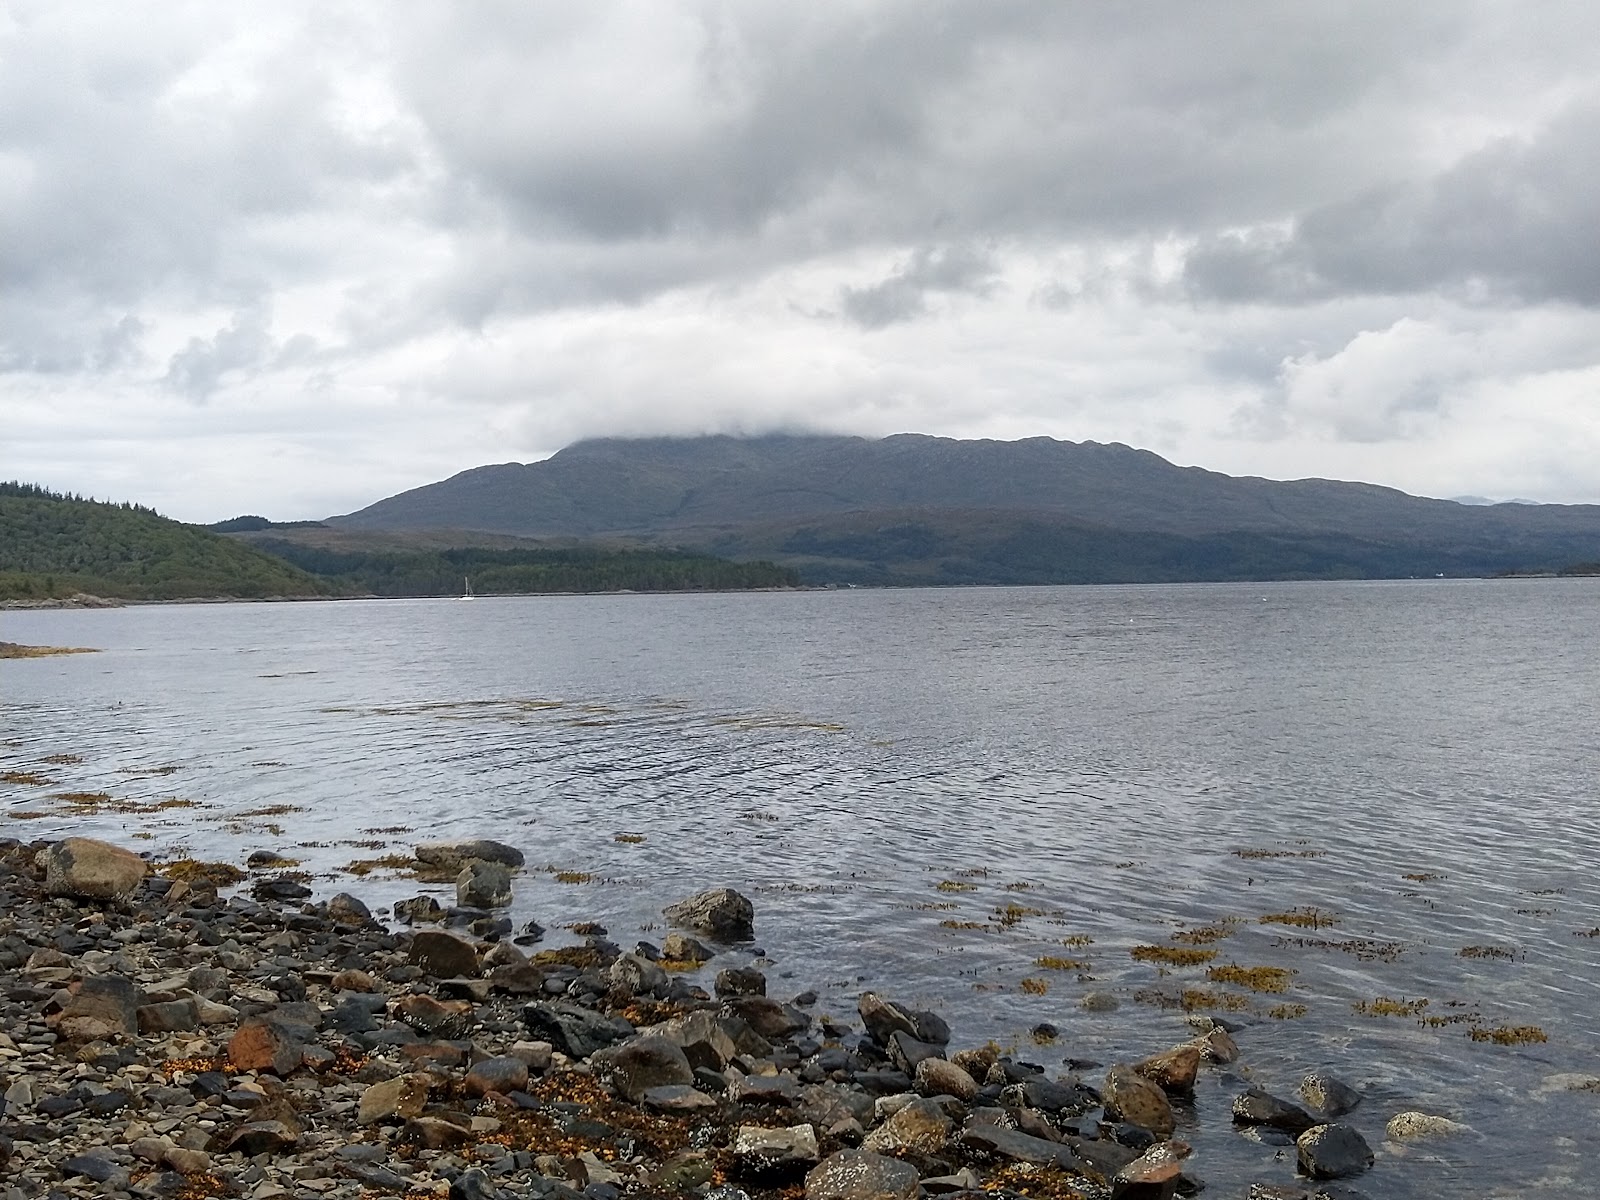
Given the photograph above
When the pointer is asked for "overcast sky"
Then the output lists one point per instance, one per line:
(289, 258)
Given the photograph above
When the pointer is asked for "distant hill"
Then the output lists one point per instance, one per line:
(917, 509)
(53, 546)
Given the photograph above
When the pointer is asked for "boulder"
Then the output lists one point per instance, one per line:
(704, 1039)
(1154, 1175)
(1332, 1152)
(936, 1077)
(861, 1175)
(1173, 1071)
(1216, 1045)
(483, 885)
(262, 1044)
(720, 913)
(635, 975)
(907, 1053)
(768, 1018)
(643, 1063)
(444, 955)
(761, 1151)
(403, 1096)
(104, 1006)
(739, 981)
(171, 1016)
(1001, 1142)
(503, 1073)
(453, 855)
(445, 1019)
(1410, 1126)
(1257, 1107)
(574, 1030)
(677, 947)
(1329, 1096)
(921, 1127)
(1131, 1097)
(345, 909)
(884, 1018)
(86, 869)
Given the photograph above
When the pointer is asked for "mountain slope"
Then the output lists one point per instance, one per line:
(54, 546)
(794, 497)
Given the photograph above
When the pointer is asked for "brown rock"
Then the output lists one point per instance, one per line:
(187, 1162)
(91, 870)
(768, 1018)
(436, 1018)
(936, 1077)
(1131, 1097)
(921, 1127)
(1173, 1071)
(353, 980)
(436, 1133)
(444, 955)
(501, 1074)
(264, 1045)
(403, 1096)
(1154, 1175)
(676, 947)
(102, 1002)
(256, 1137)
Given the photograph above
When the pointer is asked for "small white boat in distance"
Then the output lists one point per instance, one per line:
(466, 588)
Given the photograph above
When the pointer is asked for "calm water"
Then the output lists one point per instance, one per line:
(1097, 757)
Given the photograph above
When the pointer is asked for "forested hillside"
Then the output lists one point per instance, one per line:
(443, 572)
(54, 546)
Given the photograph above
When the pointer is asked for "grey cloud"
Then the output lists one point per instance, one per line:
(198, 369)
(903, 295)
(1514, 221)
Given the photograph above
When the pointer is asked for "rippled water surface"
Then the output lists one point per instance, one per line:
(926, 792)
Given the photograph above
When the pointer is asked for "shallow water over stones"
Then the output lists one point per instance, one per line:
(980, 801)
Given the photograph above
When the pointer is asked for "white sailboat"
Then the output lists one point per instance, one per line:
(466, 588)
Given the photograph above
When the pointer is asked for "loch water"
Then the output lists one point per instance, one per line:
(926, 792)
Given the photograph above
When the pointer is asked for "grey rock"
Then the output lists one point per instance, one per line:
(1329, 1096)
(720, 913)
(739, 981)
(483, 885)
(454, 855)
(763, 1151)
(575, 1030)
(862, 1175)
(1332, 1152)
(1257, 1107)
(643, 1063)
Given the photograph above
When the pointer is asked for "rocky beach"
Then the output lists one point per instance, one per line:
(195, 1029)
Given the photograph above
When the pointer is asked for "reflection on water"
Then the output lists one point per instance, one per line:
(1364, 812)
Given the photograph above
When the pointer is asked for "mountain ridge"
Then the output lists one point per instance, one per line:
(750, 496)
